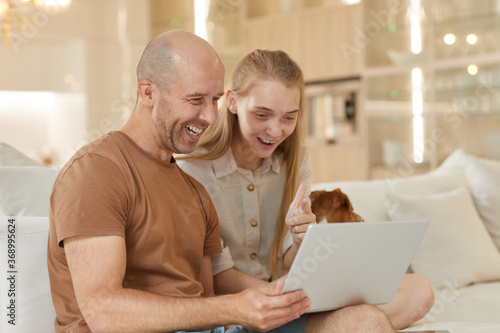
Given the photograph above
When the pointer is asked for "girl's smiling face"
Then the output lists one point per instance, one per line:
(266, 115)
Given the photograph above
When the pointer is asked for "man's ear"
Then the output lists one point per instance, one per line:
(145, 89)
(231, 101)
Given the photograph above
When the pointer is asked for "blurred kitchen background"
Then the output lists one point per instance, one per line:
(393, 86)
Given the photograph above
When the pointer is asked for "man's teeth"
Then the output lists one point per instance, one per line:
(194, 130)
(267, 142)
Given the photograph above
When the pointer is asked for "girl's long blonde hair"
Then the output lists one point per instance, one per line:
(257, 66)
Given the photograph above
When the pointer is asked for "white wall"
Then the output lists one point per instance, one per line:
(43, 125)
(83, 59)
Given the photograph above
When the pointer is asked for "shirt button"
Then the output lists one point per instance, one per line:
(253, 256)
(251, 187)
(254, 223)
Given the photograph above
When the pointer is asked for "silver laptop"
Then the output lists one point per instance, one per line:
(342, 264)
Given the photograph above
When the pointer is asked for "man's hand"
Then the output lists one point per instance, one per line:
(299, 216)
(264, 308)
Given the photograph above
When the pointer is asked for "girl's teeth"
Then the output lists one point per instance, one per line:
(267, 142)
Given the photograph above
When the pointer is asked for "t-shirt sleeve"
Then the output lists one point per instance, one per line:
(212, 240)
(89, 199)
(212, 237)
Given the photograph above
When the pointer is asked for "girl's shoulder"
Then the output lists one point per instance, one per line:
(192, 163)
(305, 154)
(201, 170)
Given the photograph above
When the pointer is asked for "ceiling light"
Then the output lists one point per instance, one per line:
(449, 39)
(471, 39)
(472, 69)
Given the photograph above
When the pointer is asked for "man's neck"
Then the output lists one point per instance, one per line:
(141, 130)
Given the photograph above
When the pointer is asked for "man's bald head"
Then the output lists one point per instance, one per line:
(162, 57)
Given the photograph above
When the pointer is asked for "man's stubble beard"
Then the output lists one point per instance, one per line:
(167, 137)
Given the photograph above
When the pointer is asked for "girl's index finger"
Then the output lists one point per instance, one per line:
(301, 192)
(305, 207)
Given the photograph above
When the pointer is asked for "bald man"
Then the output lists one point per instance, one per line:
(131, 234)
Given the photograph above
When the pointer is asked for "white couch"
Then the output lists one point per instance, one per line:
(460, 252)
(25, 186)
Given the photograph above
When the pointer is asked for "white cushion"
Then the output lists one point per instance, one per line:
(456, 249)
(9, 156)
(484, 180)
(455, 159)
(25, 191)
(368, 197)
(30, 293)
(483, 176)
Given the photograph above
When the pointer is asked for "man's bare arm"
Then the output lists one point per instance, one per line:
(108, 307)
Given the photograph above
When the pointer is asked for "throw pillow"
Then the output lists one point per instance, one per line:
(484, 180)
(456, 249)
(9, 156)
(25, 191)
(483, 176)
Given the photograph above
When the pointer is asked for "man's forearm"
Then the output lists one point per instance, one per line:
(129, 310)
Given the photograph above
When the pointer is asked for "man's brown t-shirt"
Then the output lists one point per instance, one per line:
(113, 187)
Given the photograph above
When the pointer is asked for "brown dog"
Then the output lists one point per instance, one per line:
(333, 206)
